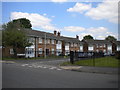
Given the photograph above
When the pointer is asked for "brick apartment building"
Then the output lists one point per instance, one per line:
(50, 44)
(47, 44)
(101, 46)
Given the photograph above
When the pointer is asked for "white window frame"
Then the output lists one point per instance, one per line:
(104, 51)
(40, 40)
(81, 47)
(90, 47)
(48, 41)
(11, 51)
(67, 46)
(53, 41)
(53, 51)
(109, 47)
(40, 50)
(118, 48)
(71, 44)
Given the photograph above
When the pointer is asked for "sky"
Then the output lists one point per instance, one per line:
(98, 19)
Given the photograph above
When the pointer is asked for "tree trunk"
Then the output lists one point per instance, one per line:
(15, 52)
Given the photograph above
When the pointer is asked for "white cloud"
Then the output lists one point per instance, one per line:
(38, 21)
(59, 1)
(107, 10)
(97, 33)
(44, 14)
(74, 29)
(79, 7)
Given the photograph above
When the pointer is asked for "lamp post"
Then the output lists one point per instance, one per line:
(45, 47)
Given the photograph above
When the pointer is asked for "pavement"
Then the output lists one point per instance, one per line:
(90, 69)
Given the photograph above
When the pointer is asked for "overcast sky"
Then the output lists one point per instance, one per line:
(98, 19)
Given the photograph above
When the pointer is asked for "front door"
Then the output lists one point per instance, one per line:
(47, 52)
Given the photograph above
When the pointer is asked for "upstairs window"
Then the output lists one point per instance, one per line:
(71, 44)
(90, 48)
(53, 42)
(40, 40)
(48, 41)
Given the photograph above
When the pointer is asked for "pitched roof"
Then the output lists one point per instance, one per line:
(42, 34)
(97, 41)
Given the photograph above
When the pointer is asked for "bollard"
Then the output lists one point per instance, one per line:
(71, 57)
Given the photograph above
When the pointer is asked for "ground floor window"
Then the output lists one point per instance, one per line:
(11, 51)
(40, 50)
(58, 52)
(53, 51)
(67, 52)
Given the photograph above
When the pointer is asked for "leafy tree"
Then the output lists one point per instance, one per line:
(87, 37)
(111, 38)
(14, 36)
(23, 23)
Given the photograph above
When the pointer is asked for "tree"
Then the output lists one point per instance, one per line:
(87, 37)
(111, 38)
(14, 36)
(23, 22)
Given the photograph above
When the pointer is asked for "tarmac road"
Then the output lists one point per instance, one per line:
(46, 74)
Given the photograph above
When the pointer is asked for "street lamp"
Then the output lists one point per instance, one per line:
(45, 47)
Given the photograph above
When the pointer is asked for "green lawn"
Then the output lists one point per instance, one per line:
(99, 62)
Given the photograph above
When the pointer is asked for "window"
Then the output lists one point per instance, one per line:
(59, 42)
(104, 51)
(31, 40)
(53, 42)
(75, 44)
(90, 48)
(40, 40)
(97, 50)
(48, 41)
(109, 47)
(97, 45)
(81, 48)
(11, 51)
(52, 50)
(67, 46)
(71, 44)
(40, 50)
(118, 48)
(100, 46)
(104, 45)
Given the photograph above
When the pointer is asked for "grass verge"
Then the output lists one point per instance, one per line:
(98, 62)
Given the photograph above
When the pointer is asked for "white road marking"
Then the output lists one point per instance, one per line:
(35, 66)
(25, 64)
(44, 67)
(39, 66)
(30, 66)
(59, 69)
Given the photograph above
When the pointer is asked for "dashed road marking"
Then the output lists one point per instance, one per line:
(30, 66)
(43, 66)
(59, 69)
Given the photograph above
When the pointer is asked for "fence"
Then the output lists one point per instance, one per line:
(75, 56)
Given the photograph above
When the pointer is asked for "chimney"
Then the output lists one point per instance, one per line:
(55, 32)
(77, 36)
(58, 33)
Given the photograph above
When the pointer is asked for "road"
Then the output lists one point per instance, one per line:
(47, 74)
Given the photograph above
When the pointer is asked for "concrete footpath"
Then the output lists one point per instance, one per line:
(102, 70)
